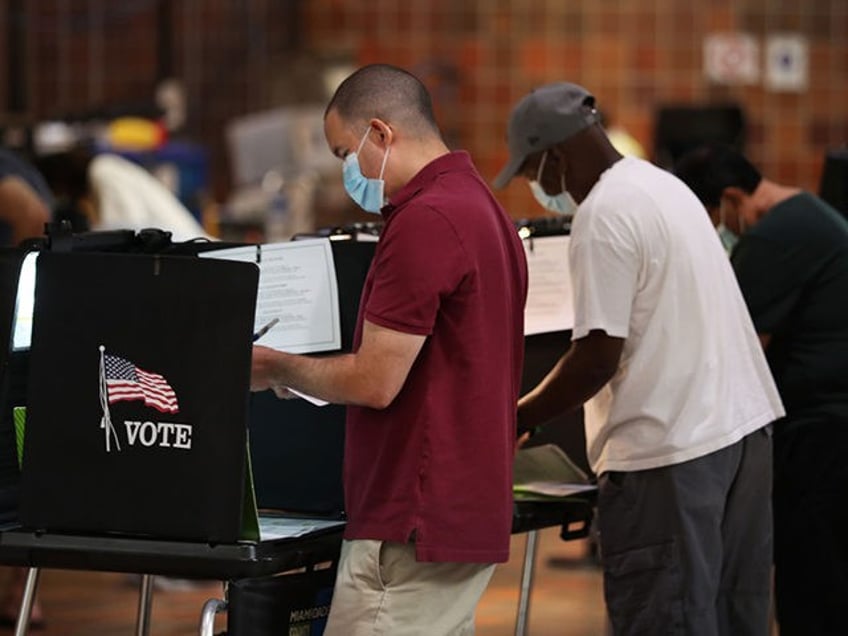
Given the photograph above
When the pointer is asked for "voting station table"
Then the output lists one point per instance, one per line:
(150, 557)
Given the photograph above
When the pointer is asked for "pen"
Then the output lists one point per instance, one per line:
(265, 329)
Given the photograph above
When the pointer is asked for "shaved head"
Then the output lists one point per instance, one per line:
(387, 93)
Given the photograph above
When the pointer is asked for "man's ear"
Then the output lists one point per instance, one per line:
(382, 133)
(735, 195)
(558, 153)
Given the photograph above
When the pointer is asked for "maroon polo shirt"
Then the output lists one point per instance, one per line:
(438, 461)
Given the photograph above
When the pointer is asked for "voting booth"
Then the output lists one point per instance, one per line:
(126, 415)
(548, 321)
(137, 403)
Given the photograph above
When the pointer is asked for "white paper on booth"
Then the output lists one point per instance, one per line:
(549, 295)
(297, 285)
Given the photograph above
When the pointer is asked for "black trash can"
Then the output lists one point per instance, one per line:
(286, 605)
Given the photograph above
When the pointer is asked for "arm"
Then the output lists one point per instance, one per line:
(22, 209)
(586, 367)
(372, 377)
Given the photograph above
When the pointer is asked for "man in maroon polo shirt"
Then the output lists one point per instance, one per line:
(434, 376)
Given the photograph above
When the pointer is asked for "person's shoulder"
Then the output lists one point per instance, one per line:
(796, 213)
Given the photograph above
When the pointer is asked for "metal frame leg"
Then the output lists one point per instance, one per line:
(207, 617)
(526, 583)
(145, 600)
(25, 611)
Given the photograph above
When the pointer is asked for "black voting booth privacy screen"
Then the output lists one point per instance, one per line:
(154, 468)
(680, 128)
(541, 353)
(13, 369)
(296, 447)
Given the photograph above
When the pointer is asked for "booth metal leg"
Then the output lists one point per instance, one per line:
(207, 617)
(145, 599)
(526, 583)
(22, 625)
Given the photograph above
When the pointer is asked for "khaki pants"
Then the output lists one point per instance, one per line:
(381, 590)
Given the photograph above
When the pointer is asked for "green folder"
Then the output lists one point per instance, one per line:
(19, 416)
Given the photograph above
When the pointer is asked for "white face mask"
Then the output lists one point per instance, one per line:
(562, 203)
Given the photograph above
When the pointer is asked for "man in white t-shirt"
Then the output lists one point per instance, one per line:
(677, 392)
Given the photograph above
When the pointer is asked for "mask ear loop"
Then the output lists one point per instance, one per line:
(385, 155)
(385, 159)
(362, 141)
(722, 217)
(541, 168)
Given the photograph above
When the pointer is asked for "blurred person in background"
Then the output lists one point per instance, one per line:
(113, 193)
(791, 261)
(678, 396)
(25, 200)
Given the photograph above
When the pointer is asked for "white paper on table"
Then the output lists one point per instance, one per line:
(550, 306)
(271, 528)
(297, 284)
(309, 398)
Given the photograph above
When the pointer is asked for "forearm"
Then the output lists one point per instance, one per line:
(337, 379)
(576, 377)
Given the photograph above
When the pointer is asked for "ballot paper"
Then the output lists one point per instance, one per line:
(549, 294)
(546, 471)
(273, 527)
(309, 398)
(297, 286)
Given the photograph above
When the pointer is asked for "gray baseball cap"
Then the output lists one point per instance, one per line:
(545, 117)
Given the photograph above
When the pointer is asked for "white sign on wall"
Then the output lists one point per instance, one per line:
(787, 62)
(732, 58)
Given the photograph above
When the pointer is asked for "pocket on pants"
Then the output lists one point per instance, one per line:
(643, 590)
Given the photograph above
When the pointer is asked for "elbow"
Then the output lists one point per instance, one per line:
(599, 375)
(379, 397)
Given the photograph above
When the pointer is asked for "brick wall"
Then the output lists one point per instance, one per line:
(483, 55)
(477, 56)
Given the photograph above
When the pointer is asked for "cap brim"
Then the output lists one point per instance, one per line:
(508, 172)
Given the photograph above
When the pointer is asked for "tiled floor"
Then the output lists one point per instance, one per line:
(566, 600)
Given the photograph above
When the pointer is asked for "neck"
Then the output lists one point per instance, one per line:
(597, 155)
(768, 194)
(411, 159)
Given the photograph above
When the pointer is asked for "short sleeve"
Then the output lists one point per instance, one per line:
(419, 262)
(604, 277)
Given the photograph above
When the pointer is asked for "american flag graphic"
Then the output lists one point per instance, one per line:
(125, 381)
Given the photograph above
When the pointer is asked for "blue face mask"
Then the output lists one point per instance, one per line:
(367, 193)
(562, 203)
(728, 237)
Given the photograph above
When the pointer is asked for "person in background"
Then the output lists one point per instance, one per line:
(434, 375)
(113, 193)
(791, 261)
(678, 396)
(25, 207)
(25, 200)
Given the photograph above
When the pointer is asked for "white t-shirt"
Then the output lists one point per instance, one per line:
(130, 198)
(647, 266)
